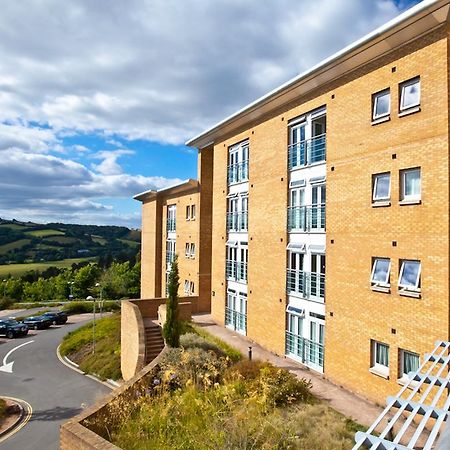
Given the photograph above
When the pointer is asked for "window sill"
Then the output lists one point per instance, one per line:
(406, 293)
(410, 202)
(407, 112)
(384, 289)
(381, 120)
(381, 204)
(379, 372)
(404, 380)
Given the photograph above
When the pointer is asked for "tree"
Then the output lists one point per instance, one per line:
(171, 328)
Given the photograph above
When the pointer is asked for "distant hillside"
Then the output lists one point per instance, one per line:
(26, 242)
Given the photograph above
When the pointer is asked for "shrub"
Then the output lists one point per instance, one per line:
(192, 340)
(6, 303)
(82, 307)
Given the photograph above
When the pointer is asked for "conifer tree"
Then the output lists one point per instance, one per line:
(171, 328)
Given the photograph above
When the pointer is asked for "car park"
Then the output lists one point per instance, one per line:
(37, 322)
(11, 328)
(57, 317)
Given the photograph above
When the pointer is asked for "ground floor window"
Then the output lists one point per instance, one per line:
(236, 311)
(409, 362)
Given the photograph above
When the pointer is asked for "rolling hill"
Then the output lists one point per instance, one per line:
(28, 242)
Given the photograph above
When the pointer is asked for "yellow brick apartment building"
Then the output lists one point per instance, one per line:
(327, 217)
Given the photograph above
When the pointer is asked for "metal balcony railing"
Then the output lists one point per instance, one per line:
(238, 172)
(237, 221)
(235, 319)
(306, 218)
(310, 285)
(170, 257)
(309, 352)
(307, 152)
(171, 224)
(236, 271)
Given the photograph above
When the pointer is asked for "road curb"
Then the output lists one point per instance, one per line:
(71, 365)
(24, 417)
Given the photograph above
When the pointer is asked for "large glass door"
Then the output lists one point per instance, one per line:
(316, 343)
(318, 276)
(298, 145)
(294, 339)
(318, 197)
(297, 214)
(296, 278)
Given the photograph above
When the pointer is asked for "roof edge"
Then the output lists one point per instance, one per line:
(185, 185)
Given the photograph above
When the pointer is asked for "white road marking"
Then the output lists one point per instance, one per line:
(7, 367)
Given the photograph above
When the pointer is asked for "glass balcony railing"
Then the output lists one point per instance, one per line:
(306, 218)
(238, 172)
(237, 221)
(310, 285)
(307, 152)
(170, 257)
(309, 352)
(171, 224)
(236, 320)
(236, 271)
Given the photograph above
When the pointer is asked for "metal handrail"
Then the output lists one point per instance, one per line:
(308, 351)
(306, 217)
(311, 285)
(308, 151)
(238, 172)
(237, 221)
(236, 271)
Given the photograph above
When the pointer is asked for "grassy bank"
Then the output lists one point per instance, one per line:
(105, 362)
(20, 269)
(245, 404)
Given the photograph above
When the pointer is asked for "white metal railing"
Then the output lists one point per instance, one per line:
(311, 285)
(237, 221)
(306, 218)
(309, 352)
(236, 271)
(238, 172)
(308, 151)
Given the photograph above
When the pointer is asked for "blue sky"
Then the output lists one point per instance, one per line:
(95, 103)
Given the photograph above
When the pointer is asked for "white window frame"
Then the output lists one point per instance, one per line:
(412, 81)
(375, 367)
(404, 197)
(386, 283)
(376, 96)
(186, 287)
(191, 288)
(416, 287)
(402, 374)
(193, 211)
(192, 250)
(187, 250)
(188, 212)
(376, 176)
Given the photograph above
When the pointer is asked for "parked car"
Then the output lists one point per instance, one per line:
(57, 317)
(37, 322)
(11, 328)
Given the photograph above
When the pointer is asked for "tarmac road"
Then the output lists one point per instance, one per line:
(55, 392)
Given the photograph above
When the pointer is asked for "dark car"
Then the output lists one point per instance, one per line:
(11, 328)
(37, 322)
(56, 317)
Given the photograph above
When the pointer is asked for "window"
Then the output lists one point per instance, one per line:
(186, 287)
(192, 288)
(187, 251)
(380, 359)
(409, 277)
(381, 187)
(381, 104)
(192, 212)
(409, 362)
(188, 213)
(380, 272)
(410, 94)
(410, 185)
(192, 250)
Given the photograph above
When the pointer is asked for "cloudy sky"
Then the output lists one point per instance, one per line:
(97, 97)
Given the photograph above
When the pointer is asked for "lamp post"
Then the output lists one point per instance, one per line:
(70, 283)
(4, 288)
(90, 298)
(98, 285)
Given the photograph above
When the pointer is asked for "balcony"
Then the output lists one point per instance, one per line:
(238, 172)
(171, 224)
(309, 352)
(170, 257)
(236, 320)
(236, 271)
(237, 221)
(310, 285)
(306, 218)
(307, 152)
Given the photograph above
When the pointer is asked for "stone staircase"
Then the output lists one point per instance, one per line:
(154, 342)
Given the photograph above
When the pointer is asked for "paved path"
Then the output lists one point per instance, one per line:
(340, 399)
(54, 391)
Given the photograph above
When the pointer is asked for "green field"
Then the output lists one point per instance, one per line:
(130, 243)
(20, 269)
(60, 239)
(13, 226)
(100, 240)
(44, 233)
(13, 245)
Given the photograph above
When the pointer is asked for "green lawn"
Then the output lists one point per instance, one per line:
(20, 269)
(60, 239)
(105, 362)
(130, 243)
(13, 226)
(44, 233)
(100, 240)
(13, 245)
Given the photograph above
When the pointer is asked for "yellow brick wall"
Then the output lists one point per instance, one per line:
(356, 150)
